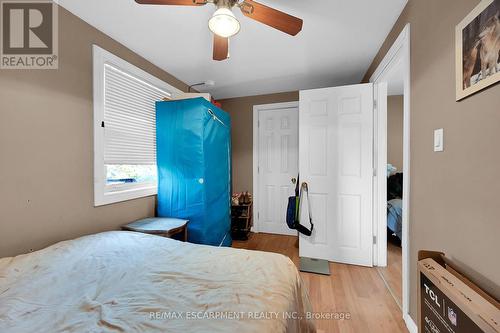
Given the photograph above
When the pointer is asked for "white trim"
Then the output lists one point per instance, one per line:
(256, 110)
(380, 179)
(276, 106)
(410, 324)
(402, 40)
(101, 58)
(400, 50)
(255, 173)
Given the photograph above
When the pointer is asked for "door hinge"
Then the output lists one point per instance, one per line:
(374, 104)
(374, 239)
(102, 124)
(374, 172)
(258, 169)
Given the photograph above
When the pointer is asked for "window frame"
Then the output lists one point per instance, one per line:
(104, 195)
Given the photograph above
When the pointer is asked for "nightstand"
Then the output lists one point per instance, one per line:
(161, 226)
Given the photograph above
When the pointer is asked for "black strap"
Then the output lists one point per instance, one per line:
(297, 193)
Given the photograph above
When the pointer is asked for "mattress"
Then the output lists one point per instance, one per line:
(130, 282)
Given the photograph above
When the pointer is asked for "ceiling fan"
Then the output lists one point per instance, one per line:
(224, 24)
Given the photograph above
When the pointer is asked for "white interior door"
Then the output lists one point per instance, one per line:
(277, 165)
(336, 160)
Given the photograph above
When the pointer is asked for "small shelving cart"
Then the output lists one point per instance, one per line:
(241, 221)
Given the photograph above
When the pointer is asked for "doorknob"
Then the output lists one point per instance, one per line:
(294, 180)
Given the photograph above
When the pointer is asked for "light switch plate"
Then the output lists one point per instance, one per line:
(439, 140)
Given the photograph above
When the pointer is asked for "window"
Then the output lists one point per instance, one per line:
(124, 129)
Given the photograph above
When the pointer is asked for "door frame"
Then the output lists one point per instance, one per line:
(255, 155)
(399, 51)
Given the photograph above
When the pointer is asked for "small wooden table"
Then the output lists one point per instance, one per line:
(161, 226)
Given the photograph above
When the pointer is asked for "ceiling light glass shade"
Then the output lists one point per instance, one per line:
(223, 23)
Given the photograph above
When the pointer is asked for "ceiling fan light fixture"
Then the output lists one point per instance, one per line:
(223, 23)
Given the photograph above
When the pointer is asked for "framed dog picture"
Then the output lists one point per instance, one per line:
(477, 43)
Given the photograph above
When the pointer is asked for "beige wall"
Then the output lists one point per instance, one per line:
(241, 111)
(395, 131)
(46, 158)
(454, 194)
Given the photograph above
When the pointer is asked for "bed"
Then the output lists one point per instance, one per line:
(130, 282)
(395, 207)
(395, 217)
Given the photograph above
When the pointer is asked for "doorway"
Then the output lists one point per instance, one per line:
(276, 164)
(392, 273)
(336, 161)
(394, 71)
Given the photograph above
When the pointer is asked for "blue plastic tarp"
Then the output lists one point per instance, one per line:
(193, 143)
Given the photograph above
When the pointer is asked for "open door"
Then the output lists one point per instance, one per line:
(336, 160)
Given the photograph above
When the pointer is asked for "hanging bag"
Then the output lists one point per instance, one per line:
(293, 207)
(301, 228)
(293, 210)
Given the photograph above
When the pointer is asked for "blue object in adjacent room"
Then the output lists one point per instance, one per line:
(395, 217)
(193, 145)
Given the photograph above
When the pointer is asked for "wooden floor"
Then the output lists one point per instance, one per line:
(392, 274)
(357, 290)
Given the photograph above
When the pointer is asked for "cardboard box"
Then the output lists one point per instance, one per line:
(450, 303)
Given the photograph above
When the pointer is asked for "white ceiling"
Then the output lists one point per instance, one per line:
(337, 44)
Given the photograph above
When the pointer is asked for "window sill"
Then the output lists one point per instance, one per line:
(110, 197)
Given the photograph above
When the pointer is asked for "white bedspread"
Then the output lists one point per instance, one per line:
(131, 282)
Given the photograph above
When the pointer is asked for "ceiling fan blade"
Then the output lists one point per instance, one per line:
(271, 17)
(173, 2)
(221, 48)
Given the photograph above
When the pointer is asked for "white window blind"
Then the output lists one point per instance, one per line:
(129, 118)
(124, 128)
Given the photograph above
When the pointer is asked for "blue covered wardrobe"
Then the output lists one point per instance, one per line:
(193, 143)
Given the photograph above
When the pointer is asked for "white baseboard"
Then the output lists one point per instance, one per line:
(410, 324)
